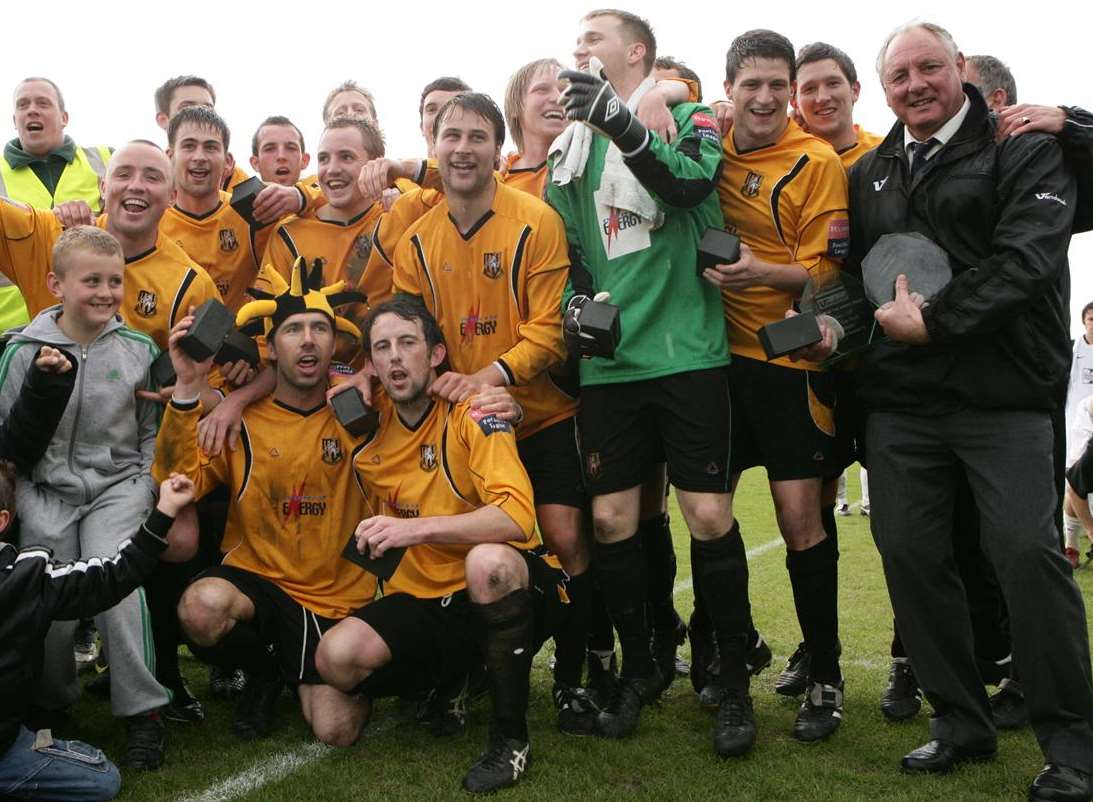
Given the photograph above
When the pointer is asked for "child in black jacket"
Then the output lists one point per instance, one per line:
(34, 591)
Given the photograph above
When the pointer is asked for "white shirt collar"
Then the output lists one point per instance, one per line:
(944, 133)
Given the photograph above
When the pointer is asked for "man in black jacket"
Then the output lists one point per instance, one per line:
(34, 591)
(968, 383)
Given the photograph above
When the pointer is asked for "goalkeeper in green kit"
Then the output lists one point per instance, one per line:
(635, 209)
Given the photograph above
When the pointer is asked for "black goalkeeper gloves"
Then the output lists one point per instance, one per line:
(590, 99)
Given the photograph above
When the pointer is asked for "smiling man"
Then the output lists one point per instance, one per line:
(161, 281)
(201, 220)
(42, 166)
(784, 192)
(986, 354)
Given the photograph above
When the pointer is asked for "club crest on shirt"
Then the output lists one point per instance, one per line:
(332, 450)
(428, 457)
(592, 464)
(752, 182)
(362, 246)
(491, 265)
(146, 303)
(228, 242)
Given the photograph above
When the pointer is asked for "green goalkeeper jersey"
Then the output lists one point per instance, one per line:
(671, 319)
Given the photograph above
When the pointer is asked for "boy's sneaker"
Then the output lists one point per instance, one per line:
(501, 765)
(146, 741)
(843, 509)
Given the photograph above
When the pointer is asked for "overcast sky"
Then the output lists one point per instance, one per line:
(281, 58)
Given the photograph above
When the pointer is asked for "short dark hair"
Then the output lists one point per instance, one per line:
(822, 51)
(477, 103)
(446, 83)
(348, 86)
(57, 89)
(407, 307)
(201, 116)
(635, 28)
(994, 74)
(166, 92)
(1086, 310)
(759, 43)
(669, 63)
(276, 119)
(371, 136)
(7, 488)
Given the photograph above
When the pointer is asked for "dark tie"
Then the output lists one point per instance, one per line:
(918, 154)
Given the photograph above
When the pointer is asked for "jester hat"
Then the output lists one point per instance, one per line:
(305, 294)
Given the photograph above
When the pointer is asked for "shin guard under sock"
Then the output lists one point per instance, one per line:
(720, 570)
(505, 630)
(621, 569)
(814, 575)
(660, 571)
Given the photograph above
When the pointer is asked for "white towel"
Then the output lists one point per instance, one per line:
(618, 186)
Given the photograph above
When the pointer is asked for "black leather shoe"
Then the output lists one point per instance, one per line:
(821, 713)
(1057, 783)
(940, 757)
(502, 764)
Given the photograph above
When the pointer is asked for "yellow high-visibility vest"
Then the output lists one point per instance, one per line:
(79, 181)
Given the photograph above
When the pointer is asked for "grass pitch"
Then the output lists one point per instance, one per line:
(671, 756)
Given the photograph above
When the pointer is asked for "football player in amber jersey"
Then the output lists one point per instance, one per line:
(827, 89)
(433, 97)
(446, 488)
(161, 281)
(187, 91)
(277, 151)
(536, 118)
(784, 192)
(202, 221)
(282, 582)
(340, 232)
(491, 263)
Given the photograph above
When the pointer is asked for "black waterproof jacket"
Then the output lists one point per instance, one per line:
(1003, 211)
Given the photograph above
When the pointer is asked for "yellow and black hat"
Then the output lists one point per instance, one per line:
(305, 294)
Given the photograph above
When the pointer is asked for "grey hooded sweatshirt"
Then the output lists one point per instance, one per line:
(106, 434)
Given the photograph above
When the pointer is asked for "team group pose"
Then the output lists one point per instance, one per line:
(494, 364)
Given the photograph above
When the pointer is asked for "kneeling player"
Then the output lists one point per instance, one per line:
(446, 485)
(281, 584)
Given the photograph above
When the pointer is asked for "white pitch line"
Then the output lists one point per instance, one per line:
(751, 554)
(276, 768)
(267, 771)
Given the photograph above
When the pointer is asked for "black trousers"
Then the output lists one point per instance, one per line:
(915, 464)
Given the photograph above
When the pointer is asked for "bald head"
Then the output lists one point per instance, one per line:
(137, 190)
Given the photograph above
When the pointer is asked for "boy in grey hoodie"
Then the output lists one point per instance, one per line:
(93, 485)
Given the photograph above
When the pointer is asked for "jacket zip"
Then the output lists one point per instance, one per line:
(76, 423)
